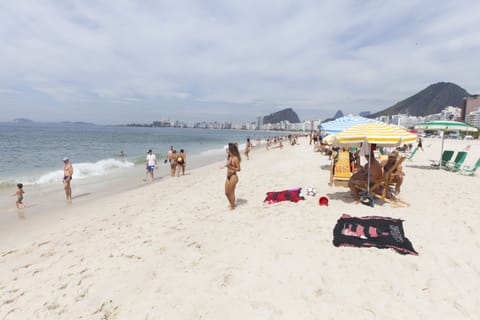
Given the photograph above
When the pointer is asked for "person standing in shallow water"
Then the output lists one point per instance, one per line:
(233, 166)
(19, 194)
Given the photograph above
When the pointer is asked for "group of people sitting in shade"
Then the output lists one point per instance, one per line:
(386, 174)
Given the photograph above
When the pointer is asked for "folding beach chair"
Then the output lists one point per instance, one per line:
(446, 156)
(457, 163)
(469, 170)
(340, 171)
(380, 188)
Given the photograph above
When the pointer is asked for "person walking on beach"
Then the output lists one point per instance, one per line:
(248, 147)
(173, 162)
(420, 145)
(169, 155)
(233, 166)
(19, 195)
(67, 178)
(181, 162)
(151, 163)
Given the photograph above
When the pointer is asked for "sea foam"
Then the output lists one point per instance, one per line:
(85, 170)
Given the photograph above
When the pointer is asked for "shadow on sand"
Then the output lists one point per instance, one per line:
(81, 195)
(345, 196)
(423, 167)
(241, 202)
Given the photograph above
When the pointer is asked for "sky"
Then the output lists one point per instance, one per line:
(115, 62)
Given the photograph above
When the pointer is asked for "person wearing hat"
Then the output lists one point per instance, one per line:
(67, 178)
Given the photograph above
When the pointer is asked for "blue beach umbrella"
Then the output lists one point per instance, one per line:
(343, 123)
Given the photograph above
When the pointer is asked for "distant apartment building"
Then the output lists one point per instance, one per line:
(473, 118)
(259, 122)
(451, 113)
(470, 104)
(402, 120)
(384, 119)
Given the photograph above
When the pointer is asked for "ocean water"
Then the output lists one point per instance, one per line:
(32, 153)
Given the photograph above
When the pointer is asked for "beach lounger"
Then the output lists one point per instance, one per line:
(446, 156)
(340, 171)
(457, 163)
(412, 154)
(469, 170)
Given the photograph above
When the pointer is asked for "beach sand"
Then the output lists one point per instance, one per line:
(174, 250)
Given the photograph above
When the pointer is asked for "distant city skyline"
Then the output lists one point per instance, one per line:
(123, 62)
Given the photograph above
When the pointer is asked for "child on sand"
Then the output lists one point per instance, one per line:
(19, 195)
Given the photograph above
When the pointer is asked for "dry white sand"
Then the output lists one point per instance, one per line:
(173, 249)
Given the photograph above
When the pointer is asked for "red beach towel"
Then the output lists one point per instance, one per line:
(285, 195)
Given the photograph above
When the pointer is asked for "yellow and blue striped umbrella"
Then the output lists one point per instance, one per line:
(374, 133)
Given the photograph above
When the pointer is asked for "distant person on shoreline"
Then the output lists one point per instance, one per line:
(173, 162)
(151, 163)
(420, 145)
(67, 178)
(233, 166)
(19, 195)
(248, 147)
(181, 162)
(169, 155)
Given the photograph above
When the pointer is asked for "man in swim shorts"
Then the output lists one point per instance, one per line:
(151, 163)
(67, 178)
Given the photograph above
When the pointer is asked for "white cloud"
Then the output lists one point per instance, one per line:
(314, 56)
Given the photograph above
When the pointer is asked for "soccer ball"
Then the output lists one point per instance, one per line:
(311, 191)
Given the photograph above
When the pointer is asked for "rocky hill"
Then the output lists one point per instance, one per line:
(282, 115)
(337, 115)
(430, 100)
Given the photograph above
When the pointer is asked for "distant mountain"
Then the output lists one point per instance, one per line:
(22, 120)
(430, 100)
(282, 115)
(78, 123)
(337, 115)
(364, 113)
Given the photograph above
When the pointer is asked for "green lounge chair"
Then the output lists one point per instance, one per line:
(469, 170)
(446, 156)
(457, 163)
(412, 154)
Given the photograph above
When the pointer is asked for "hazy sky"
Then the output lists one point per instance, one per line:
(138, 61)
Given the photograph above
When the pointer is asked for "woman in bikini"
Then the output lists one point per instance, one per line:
(181, 162)
(248, 147)
(233, 166)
